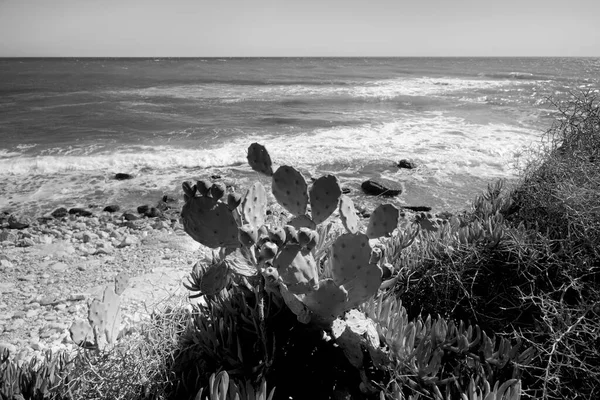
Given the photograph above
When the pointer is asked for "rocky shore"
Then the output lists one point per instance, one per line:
(52, 267)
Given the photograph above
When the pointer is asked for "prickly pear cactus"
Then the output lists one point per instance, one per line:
(259, 159)
(297, 270)
(210, 222)
(82, 334)
(383, 221)
(325, 195)
(121, 282)
(290, 189)
(254, 205)
(348, 214)
(215, 278)
(302, 221)
(349, 254)
(327, 302)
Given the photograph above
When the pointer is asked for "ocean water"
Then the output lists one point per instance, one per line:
(68, 125)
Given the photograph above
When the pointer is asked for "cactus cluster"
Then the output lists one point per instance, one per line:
(101, 329)
(285, 255)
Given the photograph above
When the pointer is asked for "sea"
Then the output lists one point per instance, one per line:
(68, 125)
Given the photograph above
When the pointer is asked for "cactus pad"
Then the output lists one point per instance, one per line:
(113, 314)
(188, 189)
(348, 214)
(98, 314)
(203, 186)
(365, 284)
(325, 194)
(302, 221)
(215, 278)
(210, 222)
(217, 190)
(277, 235)
(383, 221)
(328, 301)
(350, 253)
(121, 282)
(296, 270)
(259, 159)
(247, 235)
(82, 334)
(294, 304)
(290, 189)
(233, 200)
(254, 205)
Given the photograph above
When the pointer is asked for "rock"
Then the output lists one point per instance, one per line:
(128, 241)
(27, 242)
(80, 212)
(59, 267)
(60, 212)
(6, 265)
(112, 208)
(143, 209)
(215, 177)
(374, 188)
(153, 213)
(123, 176)
(89, 237)
(129, 216)
(417, 208)
(346, 190)
(168, 199)
(14, 223)
(162, 206)
(8, 236)
(406, 164)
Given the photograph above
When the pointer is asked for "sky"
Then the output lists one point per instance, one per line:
(298, 28)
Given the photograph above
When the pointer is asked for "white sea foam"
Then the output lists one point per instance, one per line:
(448, 145)
(382, 89)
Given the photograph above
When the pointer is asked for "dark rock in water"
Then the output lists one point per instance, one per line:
(60, 212)
(122, 176)
(80, 212)
(417, 208)
(153, 213)
(130, 216)
(377, 189)
(14, 223)
(44, 219)
(346, 190)
(406, 164)
(112, 208)
(168, 199)
(215, 177)
(143, 209)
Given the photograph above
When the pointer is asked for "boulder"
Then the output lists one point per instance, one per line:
(374, 188)
(80, 212)
(168, 199)
(417, 208)
(130, 216)
(122, 176)
(153, 213)
(60, 212)
(17, 223)
(407, 164)
(143, 209)
(112, 208)
(346, 190)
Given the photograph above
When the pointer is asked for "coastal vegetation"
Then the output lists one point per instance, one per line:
(501, 301)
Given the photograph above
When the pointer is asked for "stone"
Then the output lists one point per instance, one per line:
(143, 209)
(60, 213)
(80, 212)
(153, 213)
(417, 208)
(89, 237)
(123, 176)
(21, 223)
(112, 208)
(59, 267)
(374, 188)
(8, 236)
(406, 164)
(168, 199)
(27, 242)
(129, 216)
(346, 190)
(128, 241)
